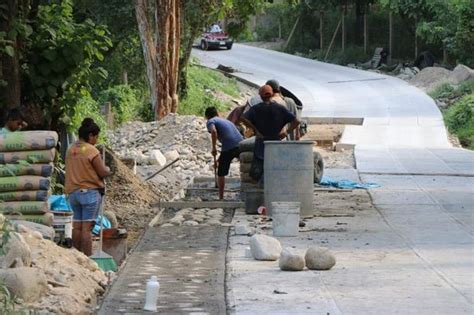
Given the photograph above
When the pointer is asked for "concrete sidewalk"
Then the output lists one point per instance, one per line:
(410, 254)
(190, 265)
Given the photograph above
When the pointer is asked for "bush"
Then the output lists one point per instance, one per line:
(124, 102)
(87, 107)
(460, 120)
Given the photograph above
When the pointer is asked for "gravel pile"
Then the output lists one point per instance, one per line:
(155, 144)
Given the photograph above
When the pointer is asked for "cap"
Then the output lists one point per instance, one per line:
(265, 91)
(274, 84)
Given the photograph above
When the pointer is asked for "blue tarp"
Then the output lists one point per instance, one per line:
(105, 225)
(59, 203)
(346, 184)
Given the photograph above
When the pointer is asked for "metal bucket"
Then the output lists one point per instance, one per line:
(288, 174)
(254, 198)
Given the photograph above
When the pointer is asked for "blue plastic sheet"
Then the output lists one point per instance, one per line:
(346, 184)
(105, 225)
(59, 203)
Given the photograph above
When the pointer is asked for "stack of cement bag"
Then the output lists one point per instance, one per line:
(25, 169)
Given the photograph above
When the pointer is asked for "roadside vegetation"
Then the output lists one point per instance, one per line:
(458, 110)
(204, 87)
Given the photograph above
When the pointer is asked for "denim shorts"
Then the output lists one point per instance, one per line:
(85, 203)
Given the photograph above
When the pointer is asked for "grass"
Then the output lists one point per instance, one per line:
(459, 114)
(203, 87)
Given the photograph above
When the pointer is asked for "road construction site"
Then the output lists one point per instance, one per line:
(398, 239)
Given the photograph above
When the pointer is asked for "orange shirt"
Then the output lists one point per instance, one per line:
(80, 173)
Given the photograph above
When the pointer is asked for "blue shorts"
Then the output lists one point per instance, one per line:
(85, 203)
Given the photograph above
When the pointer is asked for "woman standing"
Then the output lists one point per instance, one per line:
(85, 171)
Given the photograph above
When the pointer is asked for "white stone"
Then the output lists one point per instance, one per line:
(265, 247)
(291, 262)
(190, 223)
(319, 258)
(462, 73)
(157, 158)
(167, 225)
(171, 155)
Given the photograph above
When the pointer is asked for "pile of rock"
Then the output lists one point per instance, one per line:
(158, 143)
(44, 277)
(192, 217)
(430, 78)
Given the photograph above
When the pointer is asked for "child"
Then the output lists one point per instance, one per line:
(15, 121)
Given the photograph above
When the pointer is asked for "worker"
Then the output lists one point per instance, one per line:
(14, 121)
(215, 28)
(268, 119)
(289, 103)
(85, 172)
(229, 137)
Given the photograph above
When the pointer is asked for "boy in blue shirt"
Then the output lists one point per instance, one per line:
(229, 137)
(14, 121)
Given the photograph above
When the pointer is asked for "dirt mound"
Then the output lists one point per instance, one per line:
(431, 77)
(129, 198)
(73, 279)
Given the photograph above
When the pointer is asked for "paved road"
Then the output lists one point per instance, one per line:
(425, 221)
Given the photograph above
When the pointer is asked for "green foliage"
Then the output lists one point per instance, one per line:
(87, 107)
(124, 102)
(202, 83)
(7, 302)
(60, 60)
(460, 120)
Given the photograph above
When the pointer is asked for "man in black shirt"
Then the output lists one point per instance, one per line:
(268, 119)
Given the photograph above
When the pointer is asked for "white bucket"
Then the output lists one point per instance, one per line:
(285, 218)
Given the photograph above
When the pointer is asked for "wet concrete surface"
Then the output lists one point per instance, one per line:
(189, 262)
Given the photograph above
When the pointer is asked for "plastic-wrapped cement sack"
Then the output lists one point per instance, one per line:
(20, 183)
(35, 157)
(28, 140)
(8, 170)
(45, 219)
(24, 207)
(34, 195)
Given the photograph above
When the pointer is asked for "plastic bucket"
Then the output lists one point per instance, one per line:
(285, 218)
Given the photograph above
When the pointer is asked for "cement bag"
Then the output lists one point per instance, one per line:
(20, 183)
(8, 170)
(35, 157)
(24, 207)
(45, 219)
(34, 195)
(28, 141)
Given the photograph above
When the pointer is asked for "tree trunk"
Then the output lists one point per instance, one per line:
(149, 49)
(10, 95)
(321, 31)
(343, 29)
(359, 21)
(168, 16)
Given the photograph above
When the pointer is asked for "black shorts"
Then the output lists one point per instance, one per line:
(225, 158)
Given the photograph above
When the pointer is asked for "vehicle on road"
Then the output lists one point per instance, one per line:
(215, 40)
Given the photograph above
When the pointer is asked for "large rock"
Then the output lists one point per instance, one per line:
(265, 247)
(28, 284)
(462, 73)
(319, 258)
(18, 253)
(291, 262)
(157, 158)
